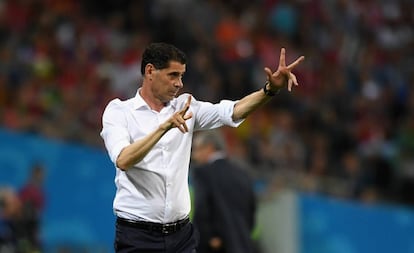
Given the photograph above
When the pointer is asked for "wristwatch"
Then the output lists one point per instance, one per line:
(269, 92)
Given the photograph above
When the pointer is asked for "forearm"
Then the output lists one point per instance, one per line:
(249, 103)
(135, 152)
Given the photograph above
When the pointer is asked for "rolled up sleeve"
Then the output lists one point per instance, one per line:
(209, 116)
(114, 130)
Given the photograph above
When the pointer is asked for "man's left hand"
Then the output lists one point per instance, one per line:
(283, 75)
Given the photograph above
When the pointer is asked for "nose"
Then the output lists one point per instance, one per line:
(179, 83)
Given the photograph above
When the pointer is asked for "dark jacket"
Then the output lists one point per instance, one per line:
(224, 206)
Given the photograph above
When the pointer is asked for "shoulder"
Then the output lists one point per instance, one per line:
(115, 109)
(118, 104)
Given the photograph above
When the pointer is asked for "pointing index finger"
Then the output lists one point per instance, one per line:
(186, 106)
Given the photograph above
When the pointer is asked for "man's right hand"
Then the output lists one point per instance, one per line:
(178, 118)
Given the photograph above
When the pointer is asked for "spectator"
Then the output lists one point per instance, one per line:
(61, 61)
(225, 201)
(33, 200)
(11, 226)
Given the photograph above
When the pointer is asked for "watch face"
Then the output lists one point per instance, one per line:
(268, 92)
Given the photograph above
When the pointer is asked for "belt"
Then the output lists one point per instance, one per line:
(165, 229)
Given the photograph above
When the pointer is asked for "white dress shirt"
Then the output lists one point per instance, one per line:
(156, 188)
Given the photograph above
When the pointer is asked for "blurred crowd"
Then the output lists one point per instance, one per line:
(348, 130)
(21, 212)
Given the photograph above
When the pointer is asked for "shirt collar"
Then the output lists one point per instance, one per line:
(138, 102)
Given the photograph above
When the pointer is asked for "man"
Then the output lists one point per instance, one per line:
(148, 138)
(33, 200)
(13, 232)
(225, 201)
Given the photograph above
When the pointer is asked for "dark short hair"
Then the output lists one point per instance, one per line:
(160, 54)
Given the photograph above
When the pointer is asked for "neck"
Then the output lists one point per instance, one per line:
(154, 103)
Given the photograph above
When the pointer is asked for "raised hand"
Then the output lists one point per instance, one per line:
(283, 75)
(178, 118)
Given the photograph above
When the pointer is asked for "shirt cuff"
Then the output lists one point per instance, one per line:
(116, 150)
(227, 112)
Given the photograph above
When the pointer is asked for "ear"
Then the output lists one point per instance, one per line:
(149, 69)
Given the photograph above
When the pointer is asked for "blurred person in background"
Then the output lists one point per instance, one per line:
(225, 201)
(11, 225)
(20, 214)
(148, 138)
(62, 61)
(32, 197)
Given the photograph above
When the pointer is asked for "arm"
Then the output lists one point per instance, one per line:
(275, 81)
(249, 103)
(136, 151)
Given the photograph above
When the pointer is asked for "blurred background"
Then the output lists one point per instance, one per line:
(333, 161)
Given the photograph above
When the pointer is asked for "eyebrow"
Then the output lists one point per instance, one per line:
(176, 73)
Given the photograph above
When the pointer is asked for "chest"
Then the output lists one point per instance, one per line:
(143, 122)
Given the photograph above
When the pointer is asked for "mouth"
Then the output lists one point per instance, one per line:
(171, 95)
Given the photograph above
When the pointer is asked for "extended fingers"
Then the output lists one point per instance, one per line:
(282, 59)
(180, 127)
(292, 81)
(268, 73)
(290, 84)
(188, 101)
(295, 63)
(283, 75)
(293, 78)
(186, 106)
(188, 116)
(182, 115)
(183, 126)
(179, 122)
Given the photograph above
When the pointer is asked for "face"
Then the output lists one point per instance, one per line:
(166, 83)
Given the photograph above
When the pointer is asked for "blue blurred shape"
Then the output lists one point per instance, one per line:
(335, 226)
(79, 187)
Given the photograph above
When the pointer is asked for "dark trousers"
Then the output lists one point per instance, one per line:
(135, 240)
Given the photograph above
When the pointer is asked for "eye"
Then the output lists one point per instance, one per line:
(176, 75)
